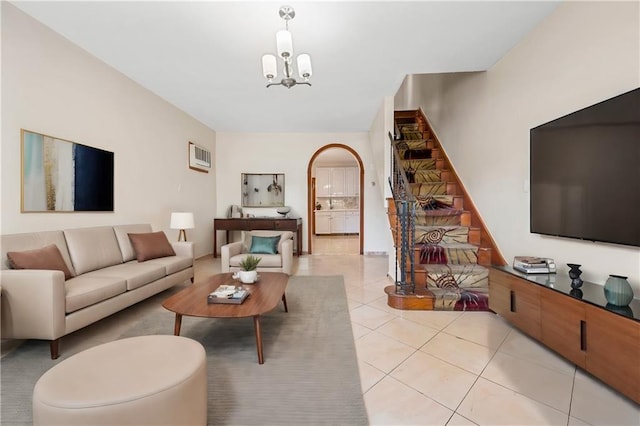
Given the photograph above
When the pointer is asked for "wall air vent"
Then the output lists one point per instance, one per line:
(199, 158)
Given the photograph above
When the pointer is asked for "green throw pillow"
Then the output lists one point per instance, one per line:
(265, 245)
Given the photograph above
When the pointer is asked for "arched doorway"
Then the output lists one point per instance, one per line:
(311, 193)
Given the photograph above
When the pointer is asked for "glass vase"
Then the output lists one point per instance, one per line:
(618, 291)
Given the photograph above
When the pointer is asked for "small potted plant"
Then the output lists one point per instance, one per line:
(248, 274)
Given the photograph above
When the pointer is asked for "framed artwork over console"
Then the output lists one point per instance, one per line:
(262, 189)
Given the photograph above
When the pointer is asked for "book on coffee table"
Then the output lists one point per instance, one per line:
(228, 294)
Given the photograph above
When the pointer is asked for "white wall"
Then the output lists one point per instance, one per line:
(51, 86)
(380, 148)
(583, 53)
(290, 153)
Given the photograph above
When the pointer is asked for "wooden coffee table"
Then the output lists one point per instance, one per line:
(264, 296)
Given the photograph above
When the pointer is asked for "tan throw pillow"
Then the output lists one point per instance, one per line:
(48, 258)
(151, 245)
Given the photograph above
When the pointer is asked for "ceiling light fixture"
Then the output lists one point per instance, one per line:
(284, 45)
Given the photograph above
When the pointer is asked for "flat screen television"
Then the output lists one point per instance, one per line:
(585, 173)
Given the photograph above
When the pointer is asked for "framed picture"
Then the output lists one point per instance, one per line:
(63, 176)
(199, 158)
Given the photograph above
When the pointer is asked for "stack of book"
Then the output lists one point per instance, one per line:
(229, 294)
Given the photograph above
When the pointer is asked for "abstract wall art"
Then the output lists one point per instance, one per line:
(64, 176)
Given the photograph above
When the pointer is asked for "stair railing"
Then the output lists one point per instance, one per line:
(405, 207)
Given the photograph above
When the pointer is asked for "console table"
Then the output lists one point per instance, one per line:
(600, 338)
(255, 223)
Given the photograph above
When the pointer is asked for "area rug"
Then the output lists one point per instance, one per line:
(309, 376)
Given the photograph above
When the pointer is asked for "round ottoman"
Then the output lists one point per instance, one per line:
(147, 380)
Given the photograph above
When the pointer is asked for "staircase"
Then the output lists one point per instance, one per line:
(444, 261)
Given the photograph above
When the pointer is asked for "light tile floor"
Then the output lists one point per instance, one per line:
(433, 368)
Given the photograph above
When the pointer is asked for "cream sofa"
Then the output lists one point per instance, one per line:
(106, 278)
(282, 261)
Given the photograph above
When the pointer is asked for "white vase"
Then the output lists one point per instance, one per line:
(248, 277)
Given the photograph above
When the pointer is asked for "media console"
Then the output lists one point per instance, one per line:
(602, 339)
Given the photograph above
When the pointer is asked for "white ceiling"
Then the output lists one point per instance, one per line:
(205, 57)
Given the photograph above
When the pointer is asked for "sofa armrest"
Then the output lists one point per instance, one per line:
(287, 256)
(33, 304)
(227, 251)
(184, 248)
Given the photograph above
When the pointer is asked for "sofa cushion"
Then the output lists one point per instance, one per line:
(173, 264)
(122, 235)
(87, 289)
(268, 260)
(151, 245)
(134, 273)
(92, 248)
(248, 235)
(266, 245)
(34, 240)
(48, 257)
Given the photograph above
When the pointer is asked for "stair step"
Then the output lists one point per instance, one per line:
(444, 234)
(438, 218)
(420, 164)
(425, 189)
(404, 145)
(456, 253)
(465, 275)
(458, 287)
(423, 176)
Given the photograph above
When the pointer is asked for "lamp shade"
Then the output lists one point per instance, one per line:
(182, 220)
(269, 66)
(304, 65)
(284, 43)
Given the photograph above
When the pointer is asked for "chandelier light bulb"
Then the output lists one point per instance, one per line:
(284, 43)
(269, 67)
(304, 66)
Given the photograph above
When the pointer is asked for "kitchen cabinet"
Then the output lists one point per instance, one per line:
(337, 181)
(602, 339)
(337, 222)
(352, 222)
(323, 223)
(323, 182)
(351, 181)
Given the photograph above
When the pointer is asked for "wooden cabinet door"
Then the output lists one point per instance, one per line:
(515, 300)
(563, 326)
(323, 181)
(500, 294)
(613, 350)
(526, 307)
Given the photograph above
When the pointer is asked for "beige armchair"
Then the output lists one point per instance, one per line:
(276, 253)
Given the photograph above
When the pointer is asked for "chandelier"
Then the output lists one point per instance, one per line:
(284, 45)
